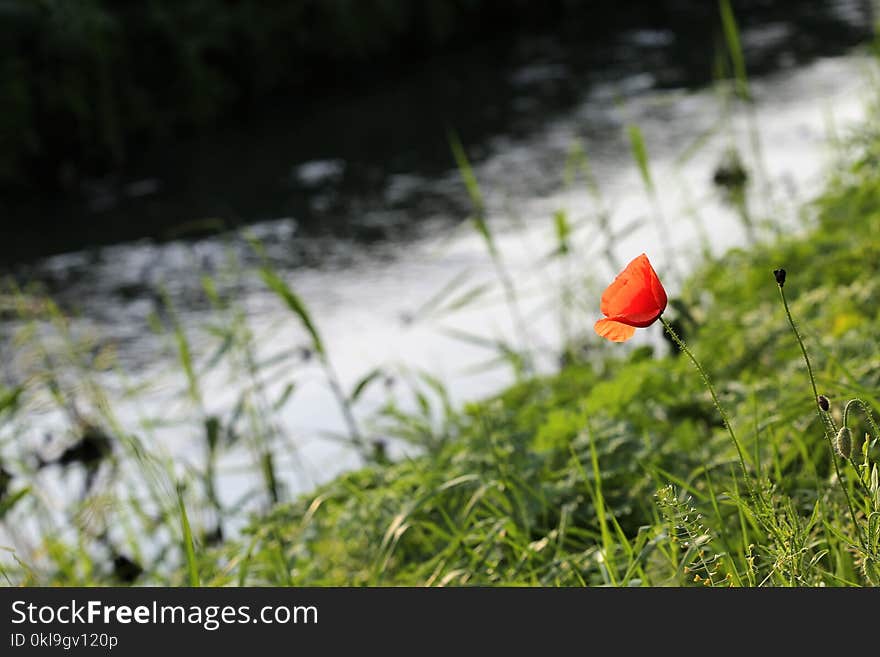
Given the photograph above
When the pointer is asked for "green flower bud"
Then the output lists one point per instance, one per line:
(843, 442)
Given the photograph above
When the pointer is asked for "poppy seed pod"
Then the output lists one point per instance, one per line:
(779, 275)
(843, 442)
(824, 404)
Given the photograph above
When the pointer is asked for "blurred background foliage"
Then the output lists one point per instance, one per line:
(84, 84)
(84, 81)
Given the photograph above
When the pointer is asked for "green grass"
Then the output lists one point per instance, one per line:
(618, 471)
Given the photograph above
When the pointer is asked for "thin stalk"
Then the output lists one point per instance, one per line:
(819, 411)
(482, 225)
(866, 410)
(708, 383)
(640, 155)
(344, 403)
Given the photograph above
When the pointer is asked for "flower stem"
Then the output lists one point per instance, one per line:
(681, 345)
(822, 419)
(866, 410)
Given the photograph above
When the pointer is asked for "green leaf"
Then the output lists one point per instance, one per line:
(188, 546)
(284, 396)
(295, 304)
(364, 383)
(9, 398)
(640, 154)
(473, 190)
(6, 503)
(734, 47)
(563, 231)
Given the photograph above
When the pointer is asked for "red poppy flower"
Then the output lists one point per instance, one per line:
(636, 298)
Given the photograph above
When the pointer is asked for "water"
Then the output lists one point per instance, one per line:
(366, 224)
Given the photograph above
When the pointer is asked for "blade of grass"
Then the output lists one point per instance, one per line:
(734, 48)
(188, 546)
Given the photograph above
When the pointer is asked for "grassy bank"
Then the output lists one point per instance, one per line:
(619, 471)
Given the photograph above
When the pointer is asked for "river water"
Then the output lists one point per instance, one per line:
(367, 238)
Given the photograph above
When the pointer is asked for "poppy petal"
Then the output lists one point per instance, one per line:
(657, 289)
(628, 291)
(636, 295)
(614, 331)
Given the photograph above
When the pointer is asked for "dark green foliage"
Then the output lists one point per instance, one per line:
(85, 83)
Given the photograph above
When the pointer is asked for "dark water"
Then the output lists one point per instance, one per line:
(360, 163)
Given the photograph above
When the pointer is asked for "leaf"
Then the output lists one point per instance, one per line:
(734, 47)
(467, 172)
(279, 287)
(184, 352)
(211, 292)
(9, 398)
(279, 357)
(578, 159)
(467, 297)
(224, 347)
(6, 503)
(364, 383)
(434, 303)
(698, 142)
(188, 546)
(563, 231)
(640, 153)
(473, 190)
(284, 396)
